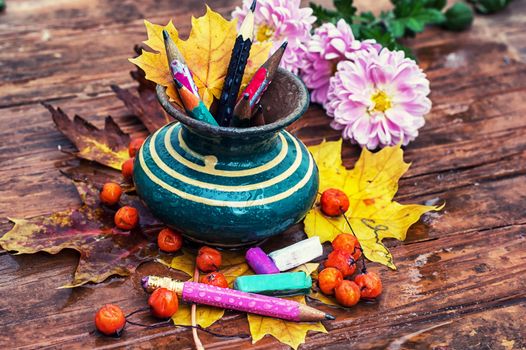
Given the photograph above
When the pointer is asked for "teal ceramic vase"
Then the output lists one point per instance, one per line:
(230, 186)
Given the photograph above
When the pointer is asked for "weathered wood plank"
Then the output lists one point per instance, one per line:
(459, 280)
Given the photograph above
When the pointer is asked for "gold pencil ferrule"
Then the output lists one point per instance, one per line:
(154, 282)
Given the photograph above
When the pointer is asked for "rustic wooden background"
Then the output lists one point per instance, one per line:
(460, 282)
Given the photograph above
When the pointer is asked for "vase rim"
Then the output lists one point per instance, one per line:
(202, 127)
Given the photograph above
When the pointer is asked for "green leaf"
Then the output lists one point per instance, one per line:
(323, 15)
(436, 4)
(345, 8)
(430, 16)
(414, 24)
(396, 28)
(411, 16)
(458, 17)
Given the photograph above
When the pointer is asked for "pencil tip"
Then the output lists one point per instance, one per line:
(284, 45)
(253, 6)
(178, 83)
(166, 35)
(329, 317)
(246, 96)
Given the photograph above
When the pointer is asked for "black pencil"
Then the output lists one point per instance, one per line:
(236, 68)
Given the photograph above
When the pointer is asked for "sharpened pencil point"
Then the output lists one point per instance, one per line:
(329, 317)
(284, 45)
(253, 6)
(178, 83)
(246, 96)
(166, 35)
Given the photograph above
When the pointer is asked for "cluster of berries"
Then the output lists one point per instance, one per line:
(110, 319)
(341, 262)
(127, 217)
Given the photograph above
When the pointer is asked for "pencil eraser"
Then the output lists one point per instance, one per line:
(260, 262)
(297, 254)
(279, 284)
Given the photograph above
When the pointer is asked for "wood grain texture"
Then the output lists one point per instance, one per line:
(460, 281)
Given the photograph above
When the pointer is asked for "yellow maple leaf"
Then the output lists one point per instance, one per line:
(325, 299)
(370, 186)
(233, 265)
(308, 268)
(291, 333)
(207, 53)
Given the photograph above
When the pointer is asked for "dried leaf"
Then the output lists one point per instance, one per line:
(145, 106)
(205, 315)
(326, 299)
(83, 171)
(290, 333)
(308, 268)
(233, 265)
(370, 186)
(108, 146)
(104, 250)
(184, 262)
(207, 53)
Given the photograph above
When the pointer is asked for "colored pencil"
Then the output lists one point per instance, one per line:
(264, 75)
(193, 104)
(226, 298)
(236, 68)
(177, 64)
(242, 113)
(258, 119)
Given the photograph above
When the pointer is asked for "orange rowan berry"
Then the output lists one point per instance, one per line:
(169, 241)
(110, 193)
(370, 284)
(126, 218)
(110, 320)
(347, 243)
(347, 293)
(328, 279)
(163, 303)
(334, 202)
(135, 145)
(215, 279)
(341, 260)
(208, 259)
(127, 169)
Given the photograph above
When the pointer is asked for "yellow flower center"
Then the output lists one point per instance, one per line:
(264, 33)
(381, 101)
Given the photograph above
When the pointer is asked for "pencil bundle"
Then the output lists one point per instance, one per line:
(234, 109)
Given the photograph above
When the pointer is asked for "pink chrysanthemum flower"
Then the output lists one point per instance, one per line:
(378, 98)
(280, 20)
(329, 45)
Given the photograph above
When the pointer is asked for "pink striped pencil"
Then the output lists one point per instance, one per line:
(227, 298)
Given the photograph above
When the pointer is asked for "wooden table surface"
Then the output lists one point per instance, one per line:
(461, 280)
